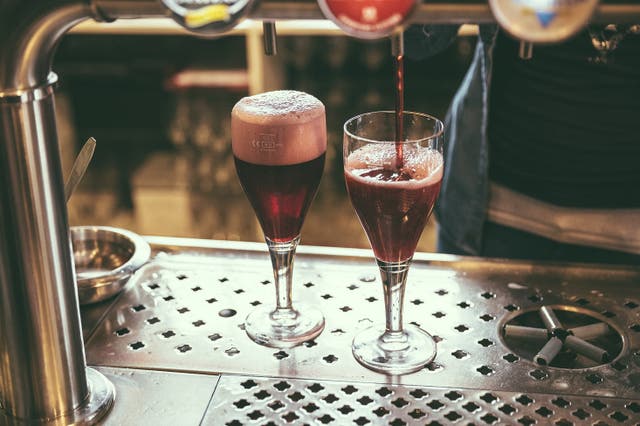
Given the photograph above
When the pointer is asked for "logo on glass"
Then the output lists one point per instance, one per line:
(265, 143)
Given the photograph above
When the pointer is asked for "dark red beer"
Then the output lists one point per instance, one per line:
(281, 195)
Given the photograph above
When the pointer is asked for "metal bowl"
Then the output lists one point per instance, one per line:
(105, 259)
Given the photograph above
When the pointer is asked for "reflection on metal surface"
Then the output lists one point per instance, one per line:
(158, 398)
(170, 318)
(246, 400)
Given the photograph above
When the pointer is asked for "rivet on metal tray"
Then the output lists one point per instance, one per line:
(384, 391)
(441, 292)
(488, 295)
(511, 307)
(595, 378)
(464, 305)
(400, 402)
(353, 287)
(198, 323)
(539, 374)
(544, 411)
(435, 405)
(396, 422)
(241, 403)
(281, 355)
(564, 422)
(471, 407)
(256, 303)
(437, 338)
(371, 299)
(315, 388)
(418, 393)
(212, 300)
(381, 411)
(183, 310)
(417, 302)
(136, 345)
(461, 328)
(263, 394)
(488, 397)
(232, 351)
(310, 407)
(238, 291)
(248, 384)
(349, 389)
(223, 279)
(635, 327)
(330, 399)
(330, 359)
(619, 417)
(326, 296)
(561, 402)
(631, 304)
(282, 385)
(524, 400)
(535, 298)
(460, 354)
(345, 308)
(507, 409)
(153, 286)
(365, 400)
(310, 343)
(582, 302)
(213, 337)
(489, 418)
(226, 313)
(485, 343)
(439, 314)
(326, 419)
(308, 285)
(183, 348)
(181, 277)
(234, 422)
(196, 288)
(511, 358)
(276, 405)
(453, 416)
(138, 308)
(526, 421)
(417, 413)
(487, 317)
(346, 409)
(433, 366)
(255, 415)
(265, 282)
(168, 298)
(581, 414)
(168, 334)
(122, 331)
(453, 395)
(153, 320)
(608, 314)
(598, 405)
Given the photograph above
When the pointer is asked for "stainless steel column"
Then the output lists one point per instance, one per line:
(43, 374)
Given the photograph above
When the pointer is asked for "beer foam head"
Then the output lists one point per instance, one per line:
(420, 163)
(278, 128)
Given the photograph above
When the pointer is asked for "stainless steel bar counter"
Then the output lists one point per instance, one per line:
(174, 346)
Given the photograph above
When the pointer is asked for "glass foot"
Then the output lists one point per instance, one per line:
(284, 329)
(402, 354)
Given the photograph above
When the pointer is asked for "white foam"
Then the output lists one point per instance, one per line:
(278, 107)
(424, 165)
(278, 128)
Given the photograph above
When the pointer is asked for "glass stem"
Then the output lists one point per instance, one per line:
(282, 254)
(394, 277)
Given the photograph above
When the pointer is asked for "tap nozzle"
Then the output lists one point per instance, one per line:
(397, 44)
(526, 50)
(270, 38)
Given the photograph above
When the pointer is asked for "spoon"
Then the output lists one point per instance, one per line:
(79, 167)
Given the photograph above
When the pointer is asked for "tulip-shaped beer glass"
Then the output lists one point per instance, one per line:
(279, 142)
(393, 186)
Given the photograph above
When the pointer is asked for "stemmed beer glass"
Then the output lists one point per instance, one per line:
(393, 186)
(279, 142)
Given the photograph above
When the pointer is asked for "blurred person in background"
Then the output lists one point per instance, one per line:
(542, 156)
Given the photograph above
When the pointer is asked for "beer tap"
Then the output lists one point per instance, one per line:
(532, 21)
(270, 38)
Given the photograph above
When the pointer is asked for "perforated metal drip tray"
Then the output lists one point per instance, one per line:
(184, 311)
